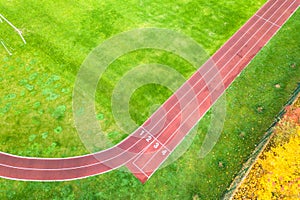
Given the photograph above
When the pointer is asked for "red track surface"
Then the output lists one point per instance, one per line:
(149, 146)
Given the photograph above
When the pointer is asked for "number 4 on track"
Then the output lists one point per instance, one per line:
(164, 152)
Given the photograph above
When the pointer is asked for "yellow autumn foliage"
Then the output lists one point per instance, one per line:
(276, 173)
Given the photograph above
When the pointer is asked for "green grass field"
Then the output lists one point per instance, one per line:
(36, 85)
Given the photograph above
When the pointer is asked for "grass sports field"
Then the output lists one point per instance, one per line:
(36, 85)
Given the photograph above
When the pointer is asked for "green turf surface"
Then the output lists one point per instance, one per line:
(36, 91)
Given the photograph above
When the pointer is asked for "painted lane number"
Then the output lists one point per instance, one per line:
(156, 145)
(148, 138)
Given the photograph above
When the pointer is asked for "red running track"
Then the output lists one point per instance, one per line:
(149, 146)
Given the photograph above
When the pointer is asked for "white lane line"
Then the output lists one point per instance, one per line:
(6, 48)
(267, 20)
(158, 151)
(54, 180)
(140, 170)
(74, 157)
(148, 160)
(15, 28)
(157, 140)
(82, 166)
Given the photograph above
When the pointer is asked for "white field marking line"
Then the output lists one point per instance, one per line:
(72, 168)
(54, 180)
(145, 149)
(249, 38)
(6, 48)
(140, 170)
(106, 149)
(142, 152)
(75, 157)
(63, 159)
(267, 20)
(147, 146)
(16, 29)
(9, 23)
(158, 151)
(155, 139)
(248, 30)
(224, 66)
(83, 166)
(219, 83)
(38, 158)
(162, 146)
(214, 63)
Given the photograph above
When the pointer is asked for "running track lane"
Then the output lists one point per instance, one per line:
(145, 149)
(229, 61)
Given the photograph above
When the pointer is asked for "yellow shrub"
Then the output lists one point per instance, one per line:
(276, 173)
